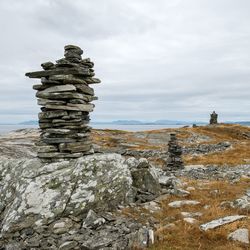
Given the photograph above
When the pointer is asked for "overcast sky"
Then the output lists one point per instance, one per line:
(162, 59)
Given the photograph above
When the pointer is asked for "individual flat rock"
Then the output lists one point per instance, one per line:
(84, 89)
(59, 131)
(43, 125)
(73, 47)
(59, 88)
(56, 140)
(84, 127)
(190, 220)
(178, 204)
(92, 220)
(145, 181)
(39, 87)
(77, 107)
(91, 80)
(241, 235)
(68, 245)
(72, 54)
(66, 71)
(45, 80)
(68, 79)
(75, 147)
(61, 95)
(77, 101)
(52, 114)
(63, 63)
(83, 135)
(47, 149)
(47, 65)
(88, 64)
(221, 221)
(43, 102)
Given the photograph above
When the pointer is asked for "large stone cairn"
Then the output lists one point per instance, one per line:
(174, 161)
(213, 118)
(65, 97)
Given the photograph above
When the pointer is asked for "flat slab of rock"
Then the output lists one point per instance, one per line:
(221, 221)
(59, 88)
(74, 107)
(190, 220)
(178, 204)
(191, 215)
(44, 73)
(241, 235)
(190, 167)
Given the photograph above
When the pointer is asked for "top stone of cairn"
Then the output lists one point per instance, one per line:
(72, 64)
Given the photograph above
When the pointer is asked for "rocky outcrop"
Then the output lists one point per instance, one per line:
(241, 235)
(66, 205)
(242, 203)
(215, 172)
(206, 148)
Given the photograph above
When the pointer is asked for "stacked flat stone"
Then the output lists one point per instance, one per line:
(174, 161)
(213, 118)
(65, 96)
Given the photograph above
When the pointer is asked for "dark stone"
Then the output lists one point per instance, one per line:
(52, 114)
(46, 81)
(76, 71)
(61, 95)
(213, 118)
(90, 80)
(75, 147)
(174, 161)
(68, 79)
(47, 65)
(144, 181)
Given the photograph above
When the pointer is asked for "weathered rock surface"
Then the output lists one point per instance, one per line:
(241, 203)
(63, 204)
(221, 221)
(206, 148)
(241, 235)
(215, 172)
(178, 204)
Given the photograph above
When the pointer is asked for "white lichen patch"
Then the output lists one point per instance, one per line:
(44, 191)
(38, 200)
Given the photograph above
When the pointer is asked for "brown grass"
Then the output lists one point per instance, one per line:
(223, 132)
(239, 154)
(235, 134)
(187, 236)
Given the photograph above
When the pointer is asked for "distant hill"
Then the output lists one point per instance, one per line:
(32, 122)
(244, 123)
(158, 122)
(136, 122)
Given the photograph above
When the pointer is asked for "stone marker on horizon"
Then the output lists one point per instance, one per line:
(213, 118)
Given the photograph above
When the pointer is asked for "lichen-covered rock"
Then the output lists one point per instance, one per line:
(241, 235)
(38, 199)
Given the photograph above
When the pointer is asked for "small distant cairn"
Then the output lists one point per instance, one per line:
(213, 118)
(174, 161)
(65, 97)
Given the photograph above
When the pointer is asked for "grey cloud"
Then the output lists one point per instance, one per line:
(177, 59)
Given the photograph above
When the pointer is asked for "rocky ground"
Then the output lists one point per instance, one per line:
(204, 206)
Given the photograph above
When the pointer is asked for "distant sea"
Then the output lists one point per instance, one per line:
(8, 128)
